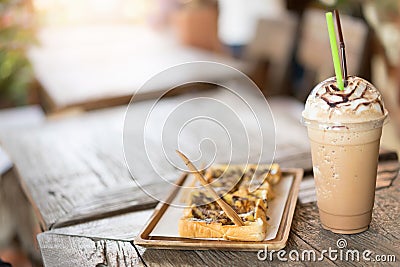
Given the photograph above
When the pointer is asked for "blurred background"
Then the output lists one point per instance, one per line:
(61, 57)
(283, 37)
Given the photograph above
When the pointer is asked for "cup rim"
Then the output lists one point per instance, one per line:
(340, 126)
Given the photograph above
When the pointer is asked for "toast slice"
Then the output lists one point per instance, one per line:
(205, 218)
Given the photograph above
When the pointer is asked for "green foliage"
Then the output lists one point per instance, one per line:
(15, 77)
(16, 34)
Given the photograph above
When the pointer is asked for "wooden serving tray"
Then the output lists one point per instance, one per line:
(164, 242)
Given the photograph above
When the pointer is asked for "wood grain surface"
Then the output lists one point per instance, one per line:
(113, 201)
(63, 163)
(73, 251)
(69, 245)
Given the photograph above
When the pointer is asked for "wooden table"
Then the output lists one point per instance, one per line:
(98, 66)
(91, 243)
(90, 210)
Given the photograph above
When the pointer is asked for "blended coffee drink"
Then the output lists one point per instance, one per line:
(344, 128)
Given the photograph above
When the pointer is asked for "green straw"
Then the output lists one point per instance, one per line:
(335, 52)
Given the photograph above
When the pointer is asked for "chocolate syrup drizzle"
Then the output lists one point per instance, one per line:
(332, 90)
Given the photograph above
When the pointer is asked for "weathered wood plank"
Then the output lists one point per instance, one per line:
(122, 227)
(60, 250)
(64, 163)
(112, 202)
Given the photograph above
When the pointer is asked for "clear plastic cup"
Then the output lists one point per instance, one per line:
(345, 161)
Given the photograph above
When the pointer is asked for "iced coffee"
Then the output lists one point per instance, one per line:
(344, 129)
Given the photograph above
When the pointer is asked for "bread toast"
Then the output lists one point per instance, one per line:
(205, 219)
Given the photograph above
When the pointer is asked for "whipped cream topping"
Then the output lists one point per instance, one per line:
(359, 101)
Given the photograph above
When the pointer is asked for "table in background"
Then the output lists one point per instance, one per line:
(101, 66)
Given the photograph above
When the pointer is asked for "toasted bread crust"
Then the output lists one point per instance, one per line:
(251, 231)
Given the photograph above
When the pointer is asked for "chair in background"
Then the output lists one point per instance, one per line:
(314, 53)
(272, 50)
